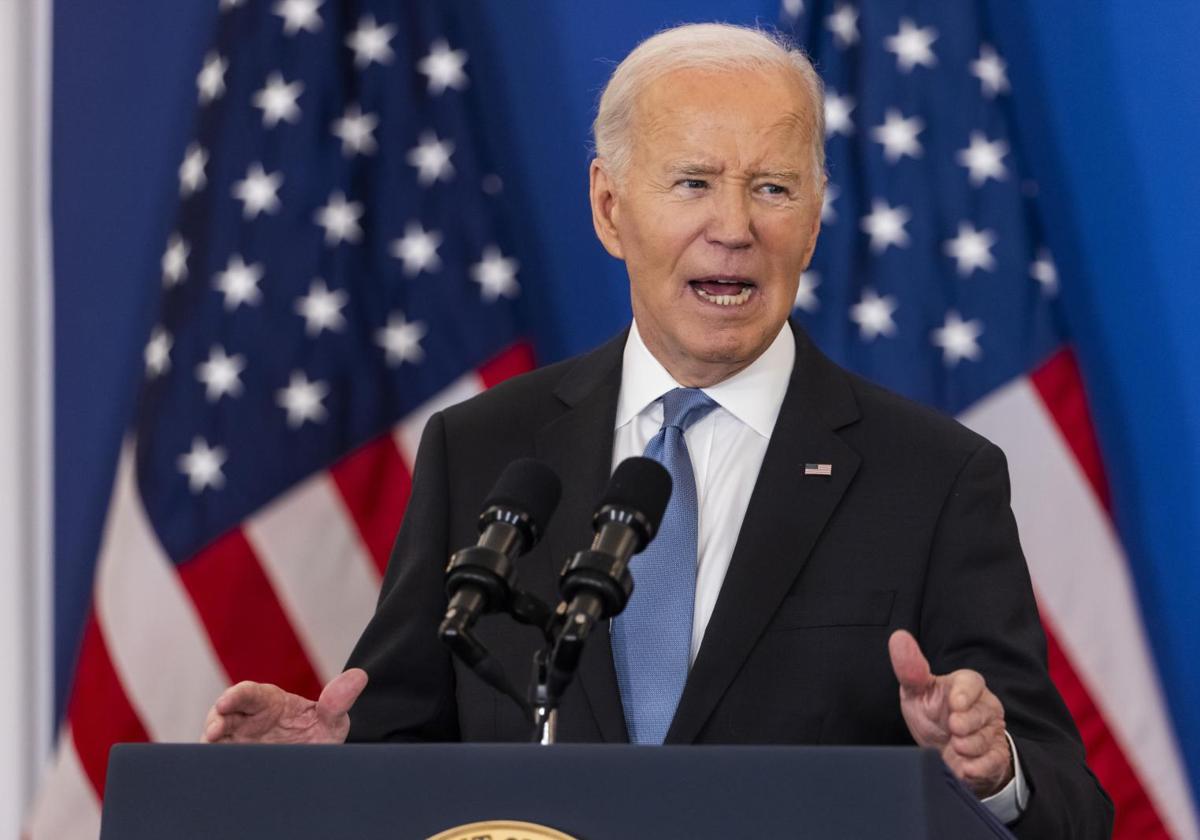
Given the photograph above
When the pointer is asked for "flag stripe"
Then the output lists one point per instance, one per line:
(375, 484)
(1135, 814)
(512, 361)
(408, 432)
(144, 610)
(236, 602)
(99, 710)
(66, 805)
(318, 565)
(1084, 588)
(1060, 385)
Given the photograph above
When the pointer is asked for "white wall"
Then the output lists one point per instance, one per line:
(25, 667)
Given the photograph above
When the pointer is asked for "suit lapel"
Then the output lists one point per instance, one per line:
(787, 512)
(579, 446)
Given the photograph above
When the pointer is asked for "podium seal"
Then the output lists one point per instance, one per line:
(501, 830)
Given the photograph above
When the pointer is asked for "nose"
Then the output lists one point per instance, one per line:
(730, 224)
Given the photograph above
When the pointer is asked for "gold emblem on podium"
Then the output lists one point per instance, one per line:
(501, 830)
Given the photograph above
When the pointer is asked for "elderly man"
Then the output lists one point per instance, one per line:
(827, 514)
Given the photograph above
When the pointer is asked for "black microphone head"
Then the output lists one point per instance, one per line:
(529, 489)
(642, 486)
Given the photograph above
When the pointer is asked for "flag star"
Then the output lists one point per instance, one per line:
(157, 354)
(191, 171)
(496, 275)
(340, 218)
(792, 9)
(239, 283)
(322, 309)
(220, 373)
(431, 157)
(873, 314)
(972, 249)
(1044, 271)
(301, 399)
(401, 340)
(898, 135)
(174, 261)
(211, 81)
(231, 4)
(202, 466)
(355, 129)
(299, 15)
(843, 23)
(958, 339)
(837, 114)
(418, 249)
(257, 191)
(371, 42)
(885, 225)
(828, 214)
(990, 69)
(277, 99)
(443, 67)
(984, 159)
(806, 297)
(912, 45)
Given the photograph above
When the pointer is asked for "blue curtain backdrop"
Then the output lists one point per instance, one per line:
(1106, 103)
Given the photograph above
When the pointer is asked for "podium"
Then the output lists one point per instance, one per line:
(589, 792)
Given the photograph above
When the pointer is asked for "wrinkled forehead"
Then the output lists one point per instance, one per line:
(760, 111)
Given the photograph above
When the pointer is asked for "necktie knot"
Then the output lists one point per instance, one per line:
(684, 406)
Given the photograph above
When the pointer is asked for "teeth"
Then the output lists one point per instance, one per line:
(727, 300)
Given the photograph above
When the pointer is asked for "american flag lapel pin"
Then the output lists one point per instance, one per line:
(818, 469)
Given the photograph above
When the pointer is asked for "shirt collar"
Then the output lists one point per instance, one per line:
(752, 395)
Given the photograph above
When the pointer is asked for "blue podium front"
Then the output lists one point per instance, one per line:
(589, 792)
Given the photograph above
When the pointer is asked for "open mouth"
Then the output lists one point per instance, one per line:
(723, 291)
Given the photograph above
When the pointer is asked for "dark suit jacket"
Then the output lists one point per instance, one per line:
(912, 530)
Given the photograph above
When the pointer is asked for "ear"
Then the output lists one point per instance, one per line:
(605, 209)
(815, 227)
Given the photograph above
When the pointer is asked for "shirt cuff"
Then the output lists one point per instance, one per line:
(1009, 802)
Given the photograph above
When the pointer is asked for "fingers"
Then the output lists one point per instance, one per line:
(908, 663)
(245, 698)
(339, 695)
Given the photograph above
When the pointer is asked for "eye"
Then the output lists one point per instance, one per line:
(692, 183)
(773, 189)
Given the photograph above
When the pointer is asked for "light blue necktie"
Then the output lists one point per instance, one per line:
(652, 638)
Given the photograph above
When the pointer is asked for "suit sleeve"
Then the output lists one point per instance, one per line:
(979, 612)
(410, 695)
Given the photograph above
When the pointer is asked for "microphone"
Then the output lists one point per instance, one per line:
(596, 583)
(480, 578)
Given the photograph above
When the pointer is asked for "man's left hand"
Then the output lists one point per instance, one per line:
(955, 714)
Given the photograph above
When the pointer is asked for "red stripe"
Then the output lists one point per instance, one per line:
(248, 628)
(375, 485)
(514, 360)
(1060, 385)
(99, 712)
(1136, 817)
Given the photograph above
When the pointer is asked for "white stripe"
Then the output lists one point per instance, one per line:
(324, 578)
(1083, 584)
(66, 807)
(156, 641)
(408, 432)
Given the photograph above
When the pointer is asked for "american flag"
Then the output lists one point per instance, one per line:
(933, 277)
(337, 272)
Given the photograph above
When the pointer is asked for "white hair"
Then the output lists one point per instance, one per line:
(702, 46)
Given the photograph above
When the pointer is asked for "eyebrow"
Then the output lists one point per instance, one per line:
(688, 167)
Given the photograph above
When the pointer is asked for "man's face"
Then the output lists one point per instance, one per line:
(716, 216)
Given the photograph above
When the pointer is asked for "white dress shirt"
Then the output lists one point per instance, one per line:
(727, 447)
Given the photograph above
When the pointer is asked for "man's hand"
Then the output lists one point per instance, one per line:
(955, 714)
(256, 713)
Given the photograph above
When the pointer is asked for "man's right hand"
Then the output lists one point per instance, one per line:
(257, 713)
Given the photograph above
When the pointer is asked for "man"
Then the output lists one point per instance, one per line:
(826, 514)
